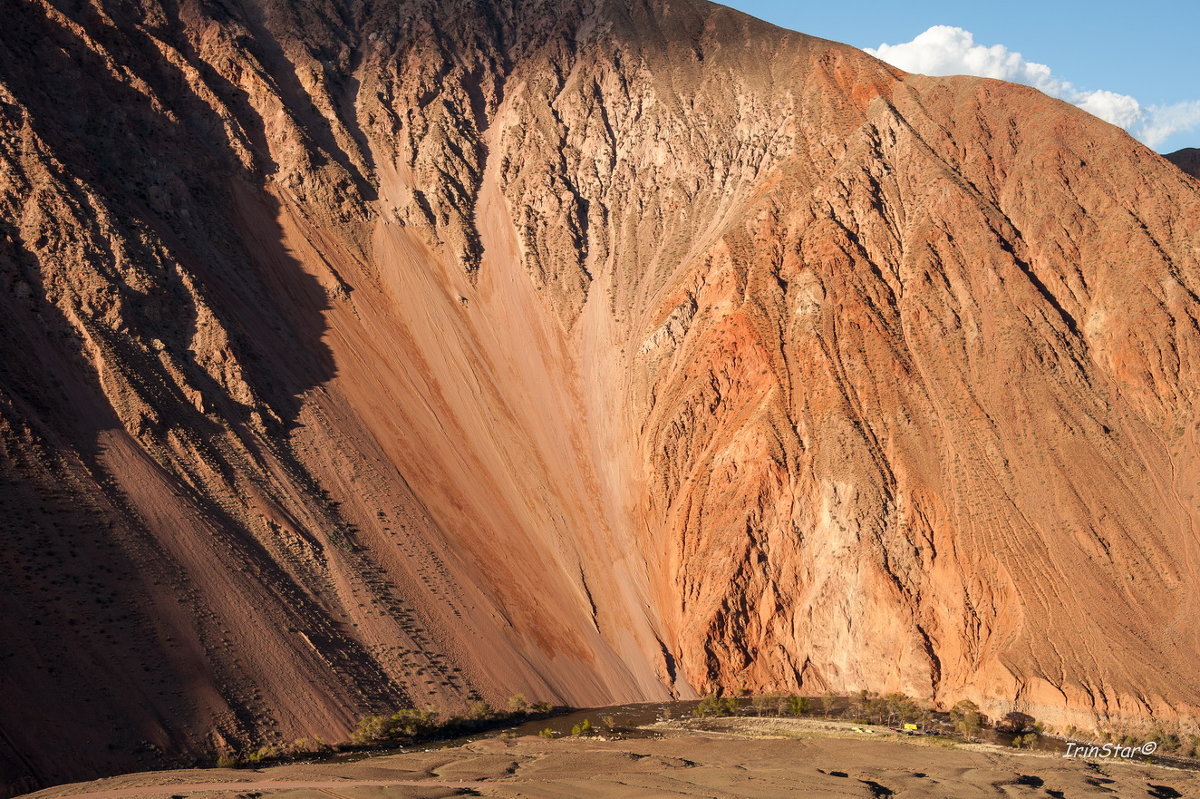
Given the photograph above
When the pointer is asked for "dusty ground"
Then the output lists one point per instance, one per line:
(743, 758)
(368, 355)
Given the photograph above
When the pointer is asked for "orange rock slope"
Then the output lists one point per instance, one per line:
(361, 354)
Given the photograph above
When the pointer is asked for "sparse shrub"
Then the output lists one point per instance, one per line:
(1192, 747)
(1189, 746)
(609, 722)
(517, 703)
(480, 711)
(228, 761)
(582, 728)
(547, 733)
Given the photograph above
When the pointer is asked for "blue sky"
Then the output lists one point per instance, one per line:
(1101, 54)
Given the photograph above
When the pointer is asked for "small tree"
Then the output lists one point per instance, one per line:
(1017, 723)
(828, 699)
(517, 703)
(480, 711)
(370, 730)
(894, 707)
(864, 705)
(798, 705)
(966, 718)
(410, 723)
(763, 705)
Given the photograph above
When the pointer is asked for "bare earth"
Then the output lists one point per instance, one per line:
(747, 758)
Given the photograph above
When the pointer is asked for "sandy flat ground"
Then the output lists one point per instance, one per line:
(732, 758)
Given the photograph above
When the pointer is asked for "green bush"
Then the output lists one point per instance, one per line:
(263, 753)
(798, 705)
(370, 730)
(547, 733)
(307, 746)
(712, 705)
(401, 726)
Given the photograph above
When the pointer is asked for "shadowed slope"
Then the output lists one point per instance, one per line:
(1187, 159)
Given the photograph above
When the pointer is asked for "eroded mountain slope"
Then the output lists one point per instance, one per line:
(361, 355)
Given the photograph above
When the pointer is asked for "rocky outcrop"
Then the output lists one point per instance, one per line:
(410, 353)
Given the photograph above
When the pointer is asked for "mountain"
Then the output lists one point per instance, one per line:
(360, 355)
(1187, 159)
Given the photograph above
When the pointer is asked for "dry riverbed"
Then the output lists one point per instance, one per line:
(732, 757)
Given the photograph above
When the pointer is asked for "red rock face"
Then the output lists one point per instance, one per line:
(366, 356)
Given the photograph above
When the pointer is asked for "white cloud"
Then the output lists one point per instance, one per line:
(1119, 109)
(945, 50)
(1164, 121)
